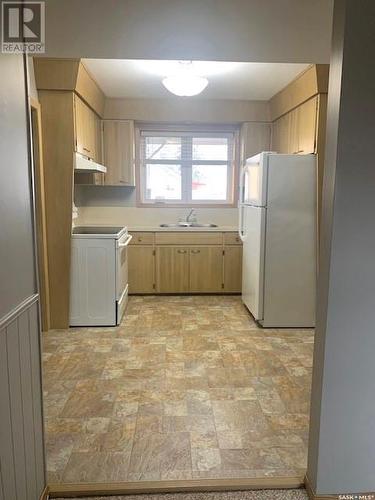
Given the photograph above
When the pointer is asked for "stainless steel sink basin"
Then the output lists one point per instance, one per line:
(187, 225)
(203, 225)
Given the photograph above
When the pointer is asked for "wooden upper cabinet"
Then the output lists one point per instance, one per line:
(119, 152)
(206, 269)
(281, 134)
(98, 140)
(88, 140)
(255, 138)
(84, 128)
(87, 130)
(275, 136)
(307, 120)
(295, 132)
(293, 136)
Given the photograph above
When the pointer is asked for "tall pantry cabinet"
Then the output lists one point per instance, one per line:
(71, 109)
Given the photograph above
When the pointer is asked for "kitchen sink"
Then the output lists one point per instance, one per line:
(187, 225)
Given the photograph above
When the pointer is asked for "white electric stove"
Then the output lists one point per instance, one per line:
(99, 275)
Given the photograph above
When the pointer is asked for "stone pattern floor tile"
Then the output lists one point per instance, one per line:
(186, 387)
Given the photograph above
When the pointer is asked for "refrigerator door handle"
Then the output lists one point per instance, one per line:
(240, 204)
(240, 222)
(242, 177)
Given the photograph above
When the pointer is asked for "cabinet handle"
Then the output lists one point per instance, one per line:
(181, 251)
(237, 239)
(139, 239)
(85, 149)
(195, 251)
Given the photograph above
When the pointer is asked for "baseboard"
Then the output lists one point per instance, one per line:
(45, 494)
(313, 496)
(191, 485)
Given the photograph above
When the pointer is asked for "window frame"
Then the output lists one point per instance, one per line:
(160, 130)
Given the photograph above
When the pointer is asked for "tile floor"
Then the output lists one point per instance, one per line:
(185, 387)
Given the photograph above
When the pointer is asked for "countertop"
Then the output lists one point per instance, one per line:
(154, 229)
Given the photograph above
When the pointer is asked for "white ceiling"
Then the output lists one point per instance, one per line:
(142, 79)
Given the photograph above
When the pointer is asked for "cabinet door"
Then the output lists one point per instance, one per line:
(275, 140)
(307, 114)
(141, 269)
(84, 128)
(293, 144)
(233, 268)
(172, 269)
(118, 142)
(98, 139)
(206, 269)
(255, 138)
(281, 134)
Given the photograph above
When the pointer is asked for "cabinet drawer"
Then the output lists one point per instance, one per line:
(232, 239)
(188, 238)
(142, 238)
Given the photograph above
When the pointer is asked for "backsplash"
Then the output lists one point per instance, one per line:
(104, 196)
(153, 217)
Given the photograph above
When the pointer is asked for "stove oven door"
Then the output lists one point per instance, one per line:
(122, 275)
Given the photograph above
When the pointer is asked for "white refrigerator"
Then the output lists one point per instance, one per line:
(277, 224)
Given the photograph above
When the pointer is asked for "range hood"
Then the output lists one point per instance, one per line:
(84, 165)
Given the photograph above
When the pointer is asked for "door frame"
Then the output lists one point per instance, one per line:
(40, 210)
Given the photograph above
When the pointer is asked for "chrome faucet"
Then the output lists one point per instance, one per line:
(190, 215)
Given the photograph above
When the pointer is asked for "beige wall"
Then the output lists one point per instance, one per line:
(187, 110)
(342, 440)
(21, 428)
(216, 30)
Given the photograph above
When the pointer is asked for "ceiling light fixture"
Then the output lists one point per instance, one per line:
(185, 83)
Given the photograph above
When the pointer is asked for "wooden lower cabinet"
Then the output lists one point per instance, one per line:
(141, 269)
(169, 267)
(233, 269)
(172, 269)
(206, 269)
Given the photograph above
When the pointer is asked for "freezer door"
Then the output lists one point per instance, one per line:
(253, 259)
(254, 180)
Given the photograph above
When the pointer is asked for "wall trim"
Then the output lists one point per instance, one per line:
(18, 310)
(45, 494)
(191, 485)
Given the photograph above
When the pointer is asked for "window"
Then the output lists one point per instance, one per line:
(186, 168)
